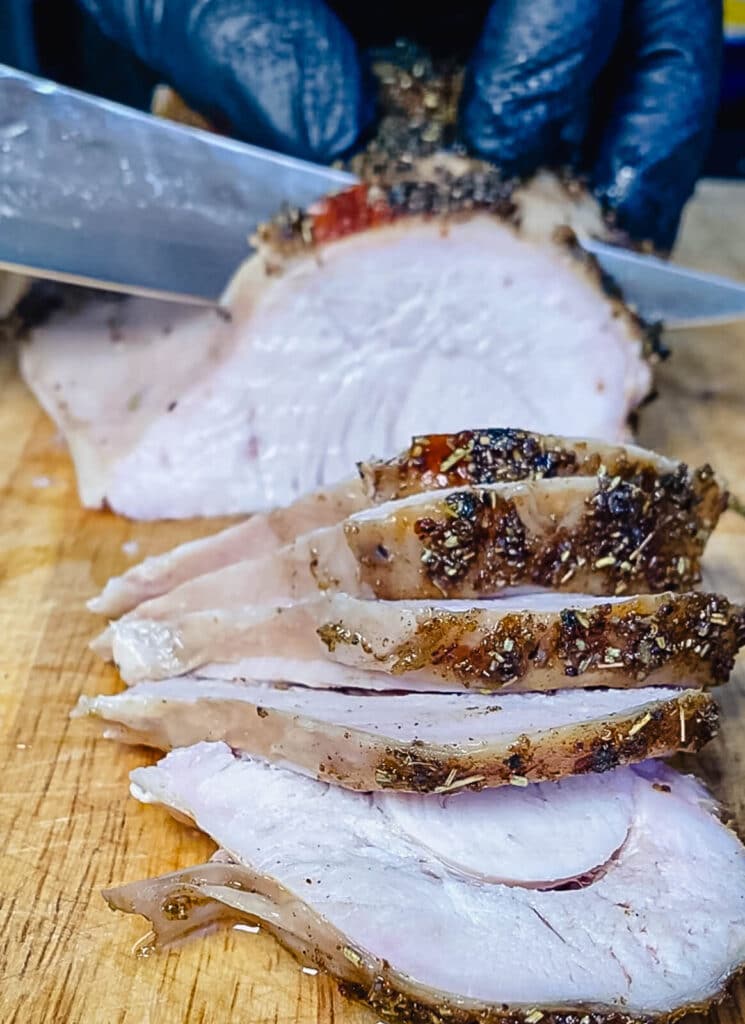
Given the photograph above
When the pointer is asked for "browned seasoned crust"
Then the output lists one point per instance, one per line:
(363, 760)
(399, 1007)
(683, 723)
(642, 534)
(500, 455)
(646, 640)
(177, 907)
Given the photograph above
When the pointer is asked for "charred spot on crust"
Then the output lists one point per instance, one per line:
(685, 725)
(472, 457)
(647, 529)
(694, 630)
(604, 758)
(481, 534)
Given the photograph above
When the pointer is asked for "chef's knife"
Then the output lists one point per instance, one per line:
(99, 194)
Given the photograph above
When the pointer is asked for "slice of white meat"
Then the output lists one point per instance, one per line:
(584, 534)
(335, 349)
(431, 461)
(257, 536)
(541, 641)
(425, 742)
(424, 913)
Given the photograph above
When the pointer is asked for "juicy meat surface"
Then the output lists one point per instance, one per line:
(431, 461)
(541, 641)
(345, 348)
(620, 894)
(426, 742)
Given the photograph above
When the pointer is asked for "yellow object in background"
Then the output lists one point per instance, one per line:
(734, 19)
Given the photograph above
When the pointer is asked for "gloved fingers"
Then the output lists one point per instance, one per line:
(287, 76)
(530, 77)
(656, 132)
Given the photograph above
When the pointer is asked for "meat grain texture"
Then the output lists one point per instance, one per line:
(488, 740)
(612, 883)
(377, 314)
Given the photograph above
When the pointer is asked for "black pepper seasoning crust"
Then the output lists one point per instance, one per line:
(399, 1007)
(693, 635)
(501, 455)
(684, 723)
(645, 534)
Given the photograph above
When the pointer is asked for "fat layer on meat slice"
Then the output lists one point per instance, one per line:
(583, 534)
(541, 641)
(620, 896)
(401, 315)
(430, 462)
(429, 743)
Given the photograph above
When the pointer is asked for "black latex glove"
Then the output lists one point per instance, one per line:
(626, 89)
(283, 75)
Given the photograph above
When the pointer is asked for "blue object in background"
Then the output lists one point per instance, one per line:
(727, 155)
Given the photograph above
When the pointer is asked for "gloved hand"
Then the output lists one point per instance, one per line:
(624, 88)
(287, 75)
(631, 87)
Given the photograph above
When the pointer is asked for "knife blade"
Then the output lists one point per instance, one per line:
(664, 291)
(96, 193)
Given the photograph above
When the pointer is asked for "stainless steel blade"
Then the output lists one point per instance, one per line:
(664, 291)
(97, 193)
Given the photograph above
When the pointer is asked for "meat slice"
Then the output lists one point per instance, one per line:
(620, 896)
(541, 642)
(504, 455)
(373, 317)
(594, 535)
(429, 742)
(430, 462)
(533, 642)
(584, 534)
(257, 536)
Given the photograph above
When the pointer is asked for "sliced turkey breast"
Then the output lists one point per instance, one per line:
(503, 455)
(541, 641)
(619, 896)
(261, 534)
(425, 742)
(594, 535)
(431, 461)
(371, 317)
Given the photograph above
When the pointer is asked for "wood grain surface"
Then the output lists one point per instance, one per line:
(67, 825)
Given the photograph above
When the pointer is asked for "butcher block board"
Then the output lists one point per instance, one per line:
(67, 825)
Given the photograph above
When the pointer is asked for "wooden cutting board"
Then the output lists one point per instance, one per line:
(67, 826)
